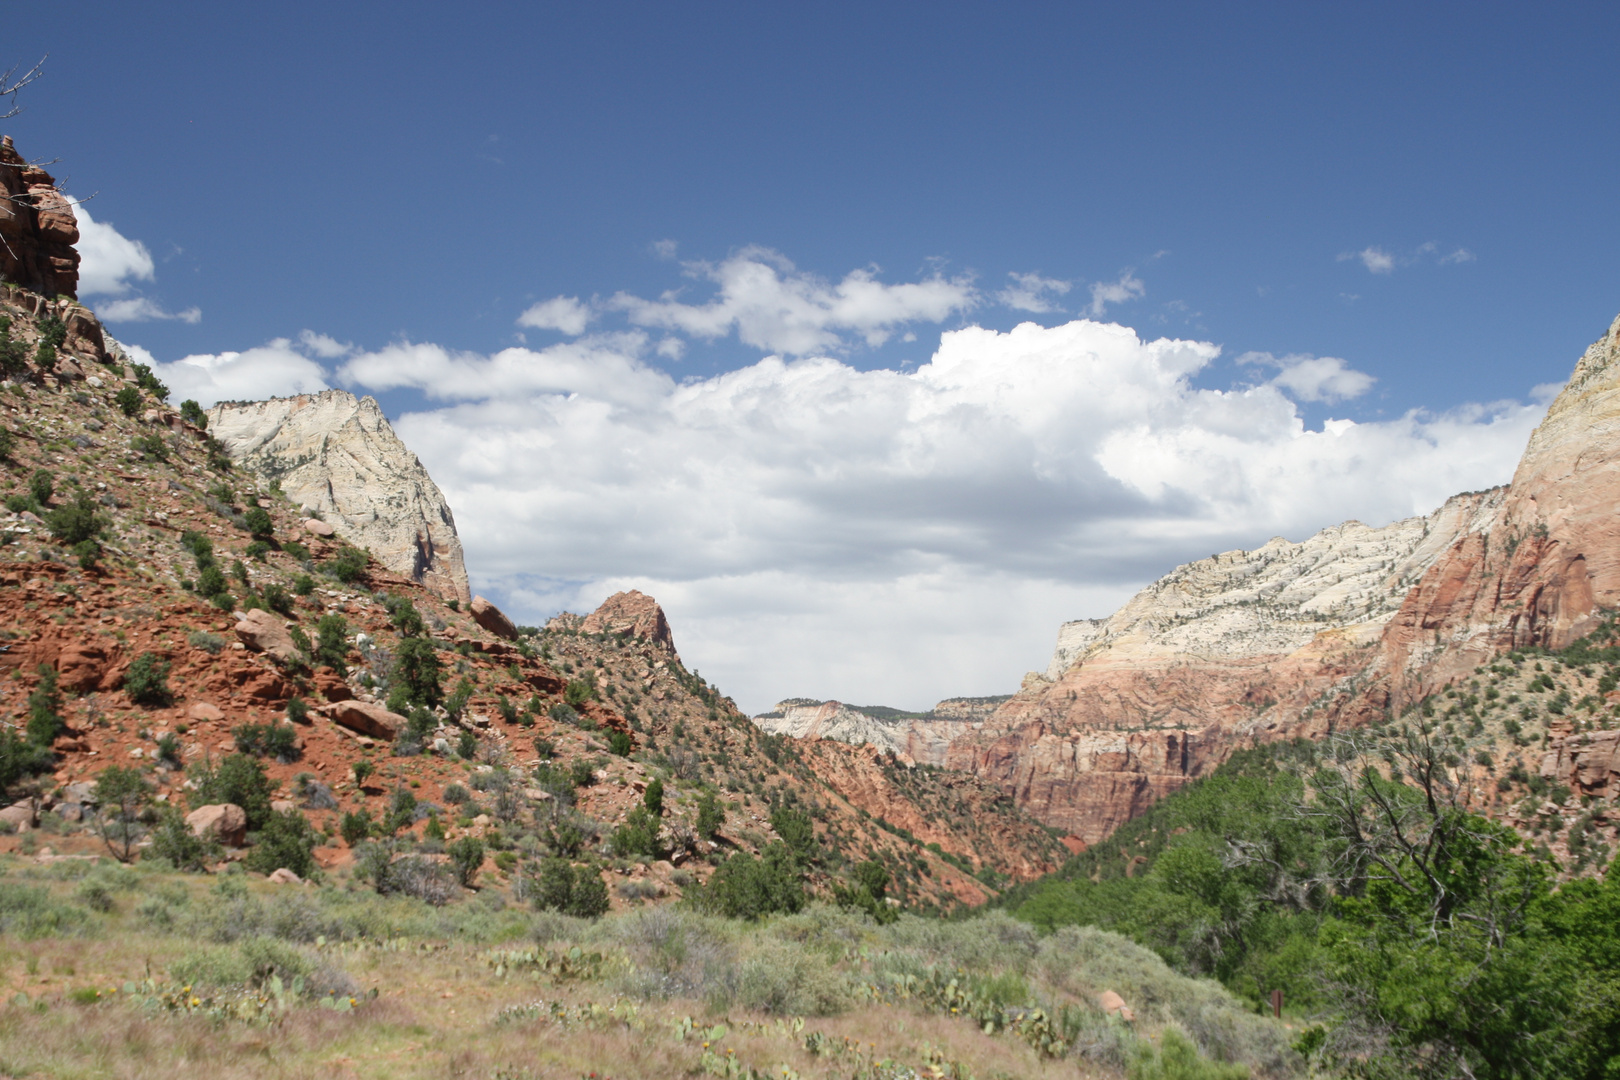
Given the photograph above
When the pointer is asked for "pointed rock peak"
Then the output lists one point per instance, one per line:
(634, 613)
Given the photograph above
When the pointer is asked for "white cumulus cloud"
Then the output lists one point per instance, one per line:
(1375, 259)
(275, 369)
(142, 309)
(565, 313)
(108, 260)
(1103, 293)
(1033, 293)
(770, 304)
(813, 528)
(1313, 378)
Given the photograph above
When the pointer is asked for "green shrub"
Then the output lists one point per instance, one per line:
(88, 554)
(147, 682)
(277, 598)
(257, 550)
(356, 826)
(466, 856)
(149, 382)
(416, 668)
(579, 892)
(578, 692)
(653, 797)
(620, 743)
(1178, 1059)
(349, 565)
(210, 582)
(744, 887)
(151, 445)
(563, 714)
(29, 911)
(332, 642)
(20, 758)
(258, 524)
(456, 703)
(121, 794)
(303, 584)
(467, 745)
(237, 779)
(8, 443)
(403, 616)
(710, 815)
(268, 740)
(797, 832)
(77, 521)
(45, 721)
(286, 840)
(192, 413)
(42, 485)
(13, 354)
(638, 835)
(129, 400)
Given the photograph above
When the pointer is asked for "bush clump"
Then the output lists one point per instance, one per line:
(147, 682)
(577, 891)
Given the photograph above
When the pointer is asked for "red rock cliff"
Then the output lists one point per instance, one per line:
(37, 228)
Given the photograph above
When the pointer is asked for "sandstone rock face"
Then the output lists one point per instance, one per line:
(366, 717)
(634, 613)
(1221, 653)
(338, 455)
(1537, 572)
(263, 632)
(225, 822)
(1588, 763)
(1074, 638)
(917, 739)
(38, 228)
(492, 618)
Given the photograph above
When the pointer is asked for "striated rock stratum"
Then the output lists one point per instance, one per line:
(337, 455)
(916, 738)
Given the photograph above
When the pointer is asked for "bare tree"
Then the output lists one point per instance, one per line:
(11, 83)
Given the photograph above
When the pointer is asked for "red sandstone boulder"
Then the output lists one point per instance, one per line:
(81, 666)
(263, 632)
(366, 717)
(491, 618)
(225, 822)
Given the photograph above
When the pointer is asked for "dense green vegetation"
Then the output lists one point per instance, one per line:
(1417, 938)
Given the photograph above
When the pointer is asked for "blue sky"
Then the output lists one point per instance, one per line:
(1425, 195)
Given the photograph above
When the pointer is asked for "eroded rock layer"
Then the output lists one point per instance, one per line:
(1291, 640)
(337, 455)
(37, 228)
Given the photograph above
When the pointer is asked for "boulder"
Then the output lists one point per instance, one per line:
(366, 717)
(317, 527)
(202, 710)
(20, 815)
(264, 632)
(491, 618)
(1112, 1003)
(283, 806)
(283, 876)
(225, 822)
(81, 666)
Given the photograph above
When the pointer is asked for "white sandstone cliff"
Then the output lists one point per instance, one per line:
(337, 455)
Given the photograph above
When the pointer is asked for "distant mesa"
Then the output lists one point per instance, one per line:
(918, 738)
(337, 456)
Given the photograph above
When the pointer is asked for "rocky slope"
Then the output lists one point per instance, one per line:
(336, 455)
(494, 766)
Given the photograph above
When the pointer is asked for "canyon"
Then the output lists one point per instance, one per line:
(1296, 640)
